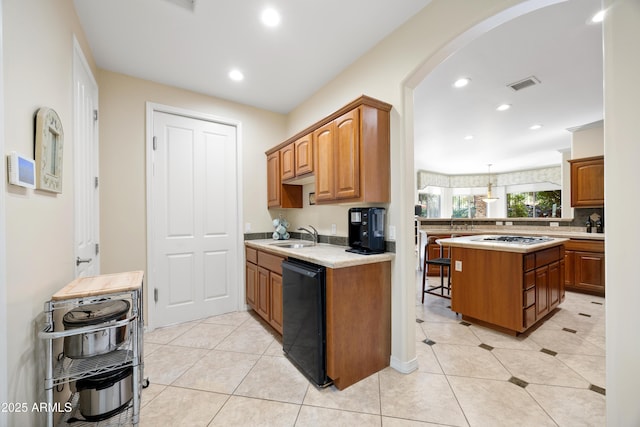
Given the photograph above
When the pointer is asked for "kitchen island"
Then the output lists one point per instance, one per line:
(505, 283)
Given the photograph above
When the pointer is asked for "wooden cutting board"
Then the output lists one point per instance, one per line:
(83, 287)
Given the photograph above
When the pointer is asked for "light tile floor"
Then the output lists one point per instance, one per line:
(229, 370)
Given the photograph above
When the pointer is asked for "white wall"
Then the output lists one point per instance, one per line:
(3, 253)
(588, 141)
(37, 67)
(621, 154)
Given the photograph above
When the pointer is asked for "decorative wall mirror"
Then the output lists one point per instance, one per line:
(49, 144)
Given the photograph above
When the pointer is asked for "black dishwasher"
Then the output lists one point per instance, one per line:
(303, 318)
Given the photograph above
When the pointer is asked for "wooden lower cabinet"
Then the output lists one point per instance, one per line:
(585, 266)
(275, 301)
(263, 285)
(358, 322)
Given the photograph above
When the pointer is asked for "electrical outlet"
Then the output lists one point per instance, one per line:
(334, 229)
(554, 224)
(458, 265)
(392, 232)
(508, 223)
(498, 222)
(247, 227)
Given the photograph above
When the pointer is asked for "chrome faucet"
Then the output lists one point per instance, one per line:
(314, 233)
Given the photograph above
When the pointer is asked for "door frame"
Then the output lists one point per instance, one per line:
(79, 60)
(152, 108)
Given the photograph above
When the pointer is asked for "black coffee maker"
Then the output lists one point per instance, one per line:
(366, 230)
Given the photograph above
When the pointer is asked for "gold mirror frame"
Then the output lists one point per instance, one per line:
(49, 145)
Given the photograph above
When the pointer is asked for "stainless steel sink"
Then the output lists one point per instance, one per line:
(293, 245)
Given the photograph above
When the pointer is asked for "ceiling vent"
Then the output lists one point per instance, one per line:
(529, 81)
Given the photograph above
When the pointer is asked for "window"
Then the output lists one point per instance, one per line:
(430, 203)
(535, 204)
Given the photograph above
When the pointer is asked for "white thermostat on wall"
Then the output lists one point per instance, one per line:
(22, 170)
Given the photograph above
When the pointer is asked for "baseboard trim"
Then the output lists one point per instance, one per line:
(404, 367)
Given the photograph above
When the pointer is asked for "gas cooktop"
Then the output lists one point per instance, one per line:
(520, 240)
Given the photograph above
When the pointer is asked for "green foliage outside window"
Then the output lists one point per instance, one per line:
(534, 204)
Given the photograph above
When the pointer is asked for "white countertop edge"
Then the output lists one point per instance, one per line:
(475, 242)
(331, 256)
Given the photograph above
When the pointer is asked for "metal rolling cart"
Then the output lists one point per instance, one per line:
(62, 370)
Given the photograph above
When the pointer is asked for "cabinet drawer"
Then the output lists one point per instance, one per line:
(529, 262)
(270, 262)
(529, 316)
(529, 279)
(547, 256)
(251, 255)
(529, 297)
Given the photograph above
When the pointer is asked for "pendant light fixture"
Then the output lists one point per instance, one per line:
(489, 198)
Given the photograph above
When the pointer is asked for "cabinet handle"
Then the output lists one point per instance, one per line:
(80, 260)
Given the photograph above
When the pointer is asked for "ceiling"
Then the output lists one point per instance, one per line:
(193, 44)
(556, 44)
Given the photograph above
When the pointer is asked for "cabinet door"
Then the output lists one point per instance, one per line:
(287, 162)
(347, 155)
(569, 268)
(304, 155)
(555, 284)
(589, 271)
(251, 287)
(542, 292)
(273, 179)
(587, 182)
(262, 306)
(324, 162)
(275, 298)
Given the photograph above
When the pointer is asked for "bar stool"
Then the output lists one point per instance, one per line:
(442, 263)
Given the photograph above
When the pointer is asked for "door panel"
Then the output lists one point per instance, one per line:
(324, 162)
(85, 148)
(347, 143)
(194, 205)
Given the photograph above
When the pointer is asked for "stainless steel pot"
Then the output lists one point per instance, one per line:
(104, 395)
(99, 342)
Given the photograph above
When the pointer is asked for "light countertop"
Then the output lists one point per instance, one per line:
(324, 254)
(477, 242)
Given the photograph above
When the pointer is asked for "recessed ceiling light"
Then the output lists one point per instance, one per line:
(535, 127)
(468, 137)
(598, 17)
(462, 82)
(503, 107)
(236, 75)
(270, 17)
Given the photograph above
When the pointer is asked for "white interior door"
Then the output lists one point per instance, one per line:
(85, 148)
(194, 193)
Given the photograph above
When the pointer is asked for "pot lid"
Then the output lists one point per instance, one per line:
(94, 314)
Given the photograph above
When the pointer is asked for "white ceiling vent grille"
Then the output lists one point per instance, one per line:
(522, 84)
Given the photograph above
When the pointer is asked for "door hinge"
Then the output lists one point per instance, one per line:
(155, 294)
(95, 182)
(155, 143)
(97, 248)
(95, 115)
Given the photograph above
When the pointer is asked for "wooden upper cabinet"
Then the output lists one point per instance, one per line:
(587, 182)
(287, 159)
(324, 162)
(304, 155)
(273, 179)
(280, 195)
(352, 157)
(347, 155)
